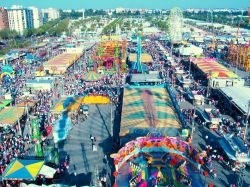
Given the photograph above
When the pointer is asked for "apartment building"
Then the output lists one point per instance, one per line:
(4, 21)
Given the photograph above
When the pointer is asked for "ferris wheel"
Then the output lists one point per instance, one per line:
(175, 25)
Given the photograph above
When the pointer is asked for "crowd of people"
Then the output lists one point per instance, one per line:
(12, 147)
(74, 82)
(71, 83)
(16, 141)
(228, 124)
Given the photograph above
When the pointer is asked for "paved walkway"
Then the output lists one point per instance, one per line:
(83, 160)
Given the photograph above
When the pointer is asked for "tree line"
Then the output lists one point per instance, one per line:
(225, 17)
(111, 27)
(53, 28)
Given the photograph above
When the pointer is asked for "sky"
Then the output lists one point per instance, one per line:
(109, 4)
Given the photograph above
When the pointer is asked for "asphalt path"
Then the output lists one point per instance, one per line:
(225, 176)
(87, 164)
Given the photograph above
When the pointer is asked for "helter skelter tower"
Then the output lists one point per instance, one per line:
(175, 25)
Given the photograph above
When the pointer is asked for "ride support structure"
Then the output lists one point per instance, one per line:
(138, 65)
(110, 53)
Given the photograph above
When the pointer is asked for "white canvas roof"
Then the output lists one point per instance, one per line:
(240, 96)
(191, 50)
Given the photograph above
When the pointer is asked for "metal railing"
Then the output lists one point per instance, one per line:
(176, 105)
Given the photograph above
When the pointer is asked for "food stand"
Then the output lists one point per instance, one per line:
(199, 99)
(59, 64)
(213, 117)
(217, 75)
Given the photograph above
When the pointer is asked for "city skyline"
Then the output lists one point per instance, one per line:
(145, 4)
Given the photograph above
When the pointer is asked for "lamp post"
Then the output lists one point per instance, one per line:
(192, 55)
(189, 69)
(18, 122)
(246, 120)
(27, 112)
(111, 117)
(192, 131)
(208, 84)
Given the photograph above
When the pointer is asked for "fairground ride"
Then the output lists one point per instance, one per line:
(110, 54)
(138, 65)
(158, 160)
(175, 25)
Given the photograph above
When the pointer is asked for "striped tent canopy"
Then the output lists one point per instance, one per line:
(92, 76)
(212, 68)
(23, 169)
(67, 103)
(63, 59)
(10, 115)
(147, 108)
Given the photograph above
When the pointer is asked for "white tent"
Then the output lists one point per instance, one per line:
(47, 171)
(191, 51)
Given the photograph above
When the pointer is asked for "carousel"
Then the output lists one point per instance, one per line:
(158, 161)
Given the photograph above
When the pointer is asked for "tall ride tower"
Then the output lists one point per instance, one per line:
(138, 65)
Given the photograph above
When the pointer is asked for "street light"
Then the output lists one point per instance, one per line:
(192, 131)
(192, 55)
(111, 116)
(208, 84)
(246, 120)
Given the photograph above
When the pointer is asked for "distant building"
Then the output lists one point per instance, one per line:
(119, 10)
(45, 17)
(17, 19)
(52, 13)
(37, 17)
(21, 18)
(67, 11)
(249, 15)
(16, 7)
(29, 18)
(4, 21)
(80, 11)
(150, 11)
(109, 12)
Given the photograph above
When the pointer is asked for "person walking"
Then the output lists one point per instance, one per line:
(92, 138)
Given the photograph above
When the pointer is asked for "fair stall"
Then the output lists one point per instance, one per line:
(218, 76)
(40, 84)
(199, 99)
(191, 50)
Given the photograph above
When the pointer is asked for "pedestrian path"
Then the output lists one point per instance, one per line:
(79, 144)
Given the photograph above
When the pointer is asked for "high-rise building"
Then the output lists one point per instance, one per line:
(45, 17)
(52, 13)
(37, 17)
(17, 19)
(29, 18)
(4, 21)
(20, 18)
(249, 16)
(16, 7)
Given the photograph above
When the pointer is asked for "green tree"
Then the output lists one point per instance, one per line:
(7, 34)
(29, 32)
